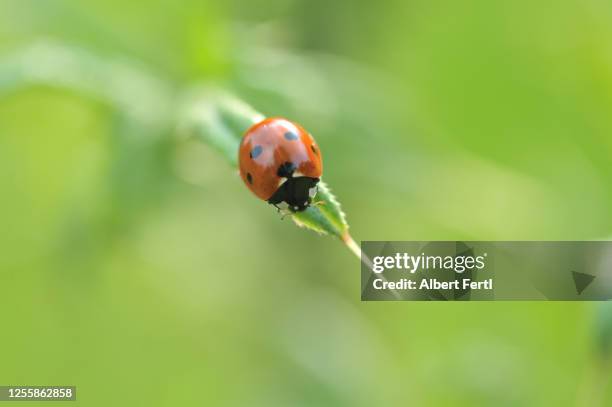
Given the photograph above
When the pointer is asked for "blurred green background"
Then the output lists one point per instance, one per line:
(135, 265)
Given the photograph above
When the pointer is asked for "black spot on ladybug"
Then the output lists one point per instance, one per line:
(286, 170)
(291, 136)
(255, 152)
(249, 178)
(313, 148)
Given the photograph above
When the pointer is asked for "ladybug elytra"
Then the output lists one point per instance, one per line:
(280, 163)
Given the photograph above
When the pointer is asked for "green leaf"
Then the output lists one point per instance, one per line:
(209, 114)
(219, 119)
(325, 216)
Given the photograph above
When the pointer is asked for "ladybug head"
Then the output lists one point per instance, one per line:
(296, 193)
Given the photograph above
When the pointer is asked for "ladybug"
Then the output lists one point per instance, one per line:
(280, 163)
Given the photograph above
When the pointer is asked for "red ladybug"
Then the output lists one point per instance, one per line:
(281, 163)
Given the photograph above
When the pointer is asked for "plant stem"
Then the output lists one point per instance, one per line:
(348, 241)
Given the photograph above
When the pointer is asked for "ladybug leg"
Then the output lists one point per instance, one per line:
(282, 208)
